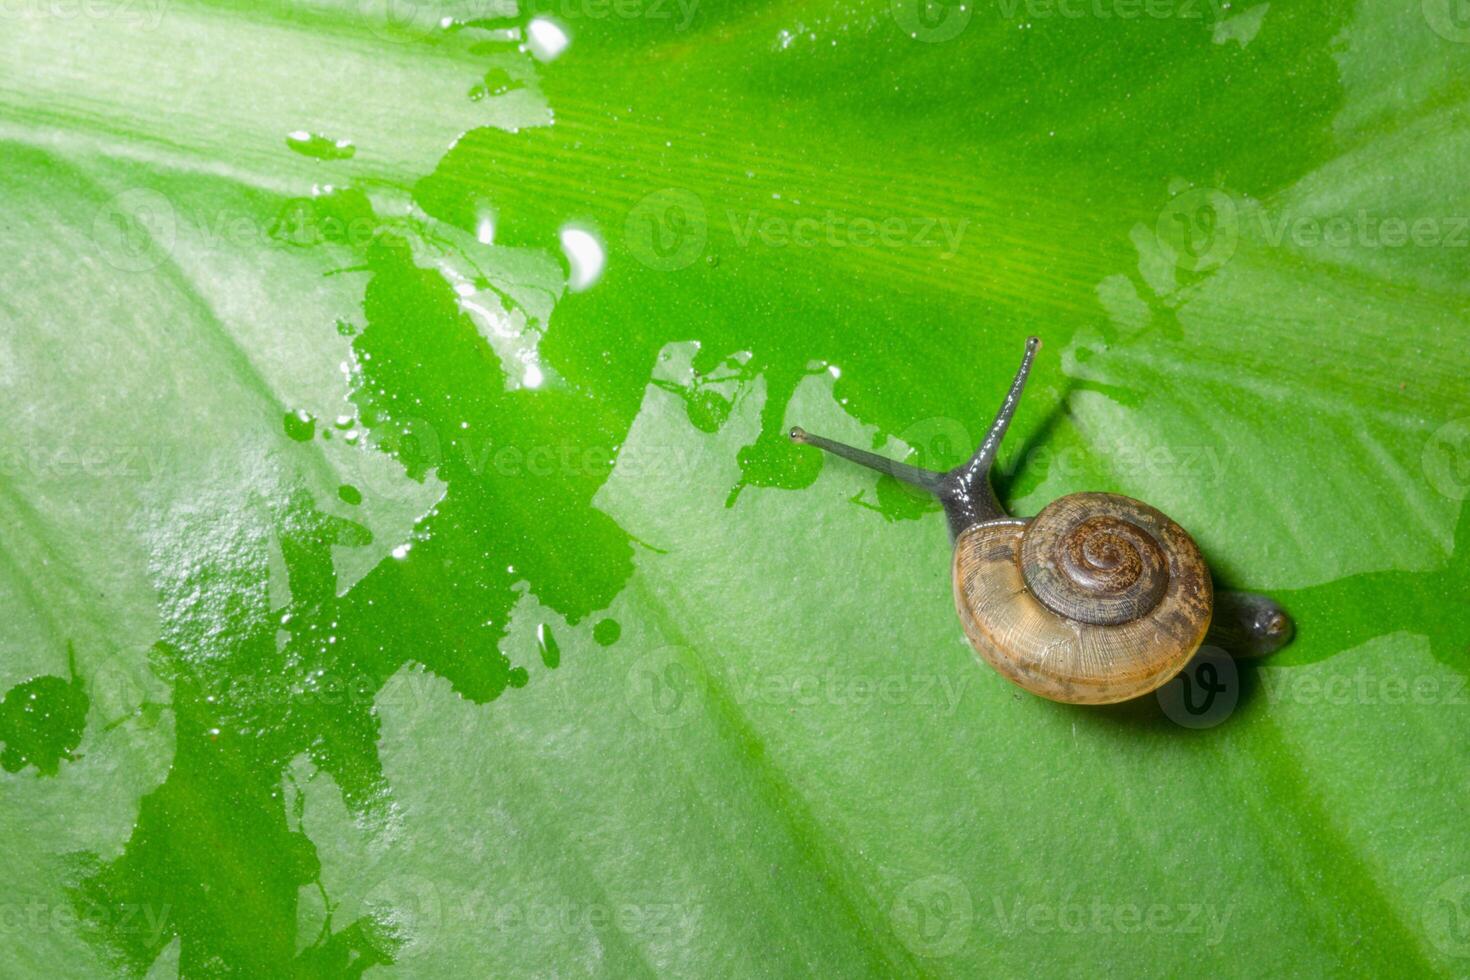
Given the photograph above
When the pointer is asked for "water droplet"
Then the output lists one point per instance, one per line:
(485, 228)
(497, 81)
(300, 425)
(550, 651)
(320, 147)
(606, 632)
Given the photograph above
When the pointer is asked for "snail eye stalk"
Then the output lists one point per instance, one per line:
(978, 468)
(964, 491)
(928, 479)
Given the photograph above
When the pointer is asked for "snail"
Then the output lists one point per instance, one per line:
(1099, 598)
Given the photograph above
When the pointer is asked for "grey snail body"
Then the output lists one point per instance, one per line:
(1099, 598)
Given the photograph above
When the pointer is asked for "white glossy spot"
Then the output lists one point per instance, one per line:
(585, 255)
(546, 39)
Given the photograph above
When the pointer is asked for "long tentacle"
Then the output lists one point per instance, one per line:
(928, 479)
(977, 470)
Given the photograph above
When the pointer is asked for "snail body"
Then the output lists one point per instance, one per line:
(1099, 598)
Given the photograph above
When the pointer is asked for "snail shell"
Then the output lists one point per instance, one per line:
(1099, 598)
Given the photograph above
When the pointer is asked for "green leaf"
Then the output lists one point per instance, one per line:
(396, 400)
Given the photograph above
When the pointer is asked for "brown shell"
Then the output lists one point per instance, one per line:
(1069, 659)
(1097, 557)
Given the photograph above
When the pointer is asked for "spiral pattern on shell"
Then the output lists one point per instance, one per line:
(1096, 558)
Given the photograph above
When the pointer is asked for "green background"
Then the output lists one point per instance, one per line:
(430, 616)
